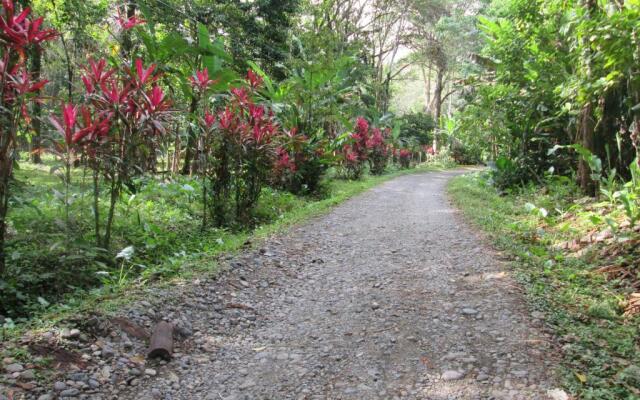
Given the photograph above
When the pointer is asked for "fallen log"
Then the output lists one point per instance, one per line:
(161, 343)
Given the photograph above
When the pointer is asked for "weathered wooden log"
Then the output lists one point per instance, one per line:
(161, 343)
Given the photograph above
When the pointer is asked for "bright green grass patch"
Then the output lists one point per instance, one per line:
(601, 349)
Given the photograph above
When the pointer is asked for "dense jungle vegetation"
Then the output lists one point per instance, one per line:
(140, 138)
(554, 102)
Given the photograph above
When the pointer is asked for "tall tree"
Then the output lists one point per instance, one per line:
(443, 38)
(586, 121)
(36, 109)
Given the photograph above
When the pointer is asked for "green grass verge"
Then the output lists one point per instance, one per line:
(600, 347)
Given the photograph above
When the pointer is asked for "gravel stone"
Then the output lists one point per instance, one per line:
(452, 375)
(69, 392)
(557, 394)
(70, 333)
(28, 375)
(108, 352)
(11, 368)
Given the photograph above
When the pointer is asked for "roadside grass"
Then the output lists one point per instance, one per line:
(161, 224)
(600, 346)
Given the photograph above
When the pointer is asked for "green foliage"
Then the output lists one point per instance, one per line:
(418, 127)
(600, 348)
(508, 173)
(627, 198)
(443, 159)
(302, 163)
(465, 155)
(553, 73)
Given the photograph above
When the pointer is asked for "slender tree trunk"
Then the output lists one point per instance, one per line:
(96, 205)
(67, 57)
(386, 94)
(635, 137)
(191, 141)
(8, 129)
(586, 123)
(436, 104)
(4, 207)
(127, 43)
(175, 163)
(635, 133)
(114, 194)
(426, 79)
(36, 113)
(7, 148)
(450, 105)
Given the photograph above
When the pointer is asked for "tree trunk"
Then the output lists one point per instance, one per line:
(635, 137)
(635, 132)
(96, 206)
(436, 104)
(386, 94)
(36, 70)
(426, 78)
(191, 141)
(586, 126)
(7, 147)
(4, 205)
(127, 43)
(586, 123)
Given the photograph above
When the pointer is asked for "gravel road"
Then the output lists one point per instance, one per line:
(389, 296)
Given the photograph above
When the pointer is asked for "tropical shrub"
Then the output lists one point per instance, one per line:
(418, 126)
(509, 173)
(379, 151)
(464, 154)
(20, 36)
(354, 152)
(404, 158)
(246, 152)
(352, 166)
(301, 162)
(366, 145)
(122, 118)
(208, 145)
(360, 138)
(441, 159)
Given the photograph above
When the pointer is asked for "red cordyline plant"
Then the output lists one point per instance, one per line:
(72, 131)
(130, 22)
(354, 153)
(404, 156)
(208, 142)
(360, 138)
(237, 150)
(367, 145)
(301, 162)
(248, 130)
(19, 34)
(379, 151)
(285, 166)
(123, 114)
